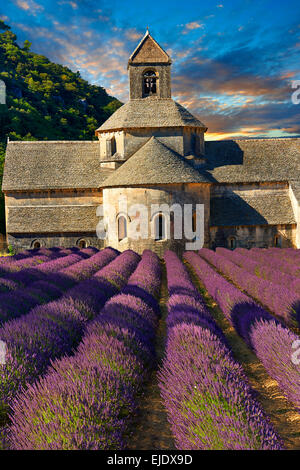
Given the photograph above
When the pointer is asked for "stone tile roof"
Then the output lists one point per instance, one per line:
(252, 208)
(154, 163)
(53, 165)
(150, 112)
(76, 164)
(148, 50)
(246, 161)
(52, 219)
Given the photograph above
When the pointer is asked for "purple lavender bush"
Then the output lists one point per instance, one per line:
(260, 330)
(26, 276)
(52, 284)
(122, 268)
(88, 267)
(263, 269)
(81, 404)
(86, 401)
(209, 402)
(145, 283)
(51, 330)
(273, 345)
(280, 300)
(31, 342)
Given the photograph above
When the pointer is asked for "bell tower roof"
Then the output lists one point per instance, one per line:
(149, 51)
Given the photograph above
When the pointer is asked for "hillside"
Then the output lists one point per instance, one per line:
(45, 100)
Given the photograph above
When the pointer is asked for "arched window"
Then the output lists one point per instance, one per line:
(36, 245)
(277, 241)
(232, 243)
(149, 83)
(122, 228)
(82, 244)
(160, 227)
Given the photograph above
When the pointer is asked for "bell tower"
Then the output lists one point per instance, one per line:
(149, 69)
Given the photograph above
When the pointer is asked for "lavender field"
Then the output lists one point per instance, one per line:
(109, 351)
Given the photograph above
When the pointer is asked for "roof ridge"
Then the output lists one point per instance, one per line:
(257, 139)
(52, 142)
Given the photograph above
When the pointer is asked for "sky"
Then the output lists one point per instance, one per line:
(233, 62)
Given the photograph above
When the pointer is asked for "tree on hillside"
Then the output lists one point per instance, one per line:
(45, 100)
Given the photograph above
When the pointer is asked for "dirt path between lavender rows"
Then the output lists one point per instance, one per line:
(151, 430)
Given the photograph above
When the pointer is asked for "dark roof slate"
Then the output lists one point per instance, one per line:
(254, 160)
(255, 208)
(53, 165)
(76, 164)
(150, 112)
(154, 163)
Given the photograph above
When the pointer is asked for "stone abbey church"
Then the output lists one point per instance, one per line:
(152, 150)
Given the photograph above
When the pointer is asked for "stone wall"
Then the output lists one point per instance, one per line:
(170, 194)
(294, 192)
(53, 217)
(185, 141)
(119, 139)
(253, 236)
(271, 201)
(22, 241)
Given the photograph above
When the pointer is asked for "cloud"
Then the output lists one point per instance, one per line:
(235, 95)
(73, 5)
(192, 26)
(29, 6)
(202, 76)
(133, 35)
(238, 84)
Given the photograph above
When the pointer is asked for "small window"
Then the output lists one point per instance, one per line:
(110, 147)
(195, 144)
(36, 245)
(160, 227)
(232, 243)
(82, 244)
(150, 85)
(122, 228)
(277, 241)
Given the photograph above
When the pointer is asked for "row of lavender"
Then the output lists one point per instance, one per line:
(25, 271)
(34, 258)
(209, 402)
(275, 296)
(286, 260)
(87, 400)
(53, 329)
(270, 340)
(34, 286)
(7, 260)
(257, 264)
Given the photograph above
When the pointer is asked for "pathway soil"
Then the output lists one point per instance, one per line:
(151, 430)
(282, 413)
